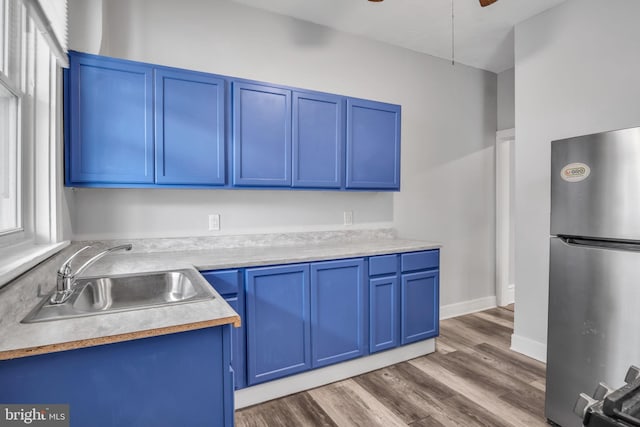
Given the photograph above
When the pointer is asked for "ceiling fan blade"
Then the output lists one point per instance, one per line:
(485, 3)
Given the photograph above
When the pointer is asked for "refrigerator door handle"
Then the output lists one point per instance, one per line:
(600, 244)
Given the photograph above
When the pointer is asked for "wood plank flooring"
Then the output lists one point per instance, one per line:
(472, 379)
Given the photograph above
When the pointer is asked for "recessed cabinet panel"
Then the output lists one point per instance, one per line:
(190, 137)
(278, 322)
(317, 140)
(373, 145)
(383, 313)
(111, 133)
(261, 135)
(338, 307)
(419, 306)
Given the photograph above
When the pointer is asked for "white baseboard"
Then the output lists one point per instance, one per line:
(529, 347)
(466, 307)
(510, 296)
(318, 377)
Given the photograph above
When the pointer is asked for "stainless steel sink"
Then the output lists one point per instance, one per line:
(108, 294)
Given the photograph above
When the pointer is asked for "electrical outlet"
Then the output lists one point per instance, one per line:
(348, 217)
(214, 222)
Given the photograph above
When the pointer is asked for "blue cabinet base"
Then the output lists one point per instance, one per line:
(169, 380)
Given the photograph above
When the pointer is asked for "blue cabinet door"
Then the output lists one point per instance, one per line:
(261, 136)
(190, 123)
(111, 126)
(318, 140)
(384, 314)
(338, 311)
(419, 306)
(373, 145)
(228, 283)
(278, 322)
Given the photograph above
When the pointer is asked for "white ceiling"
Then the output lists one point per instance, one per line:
(483, 36)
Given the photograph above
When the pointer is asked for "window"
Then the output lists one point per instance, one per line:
(10, 93)
(31, 56)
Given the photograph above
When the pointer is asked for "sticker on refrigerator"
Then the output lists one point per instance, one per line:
(575, 172)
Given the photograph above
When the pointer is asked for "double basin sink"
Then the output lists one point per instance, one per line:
(114, 293)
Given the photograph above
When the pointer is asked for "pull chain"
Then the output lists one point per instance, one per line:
(453, 45)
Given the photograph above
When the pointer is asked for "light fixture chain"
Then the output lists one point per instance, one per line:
(453, 44)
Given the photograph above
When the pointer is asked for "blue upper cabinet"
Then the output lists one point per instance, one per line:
(338, 311)
(373, 145)
(261, 136)
(131, 124)
(318, 140)
(190, 123)
(111, 126)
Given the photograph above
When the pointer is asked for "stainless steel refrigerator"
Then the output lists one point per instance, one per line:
(594, 271)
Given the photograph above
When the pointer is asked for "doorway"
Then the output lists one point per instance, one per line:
(505, 284)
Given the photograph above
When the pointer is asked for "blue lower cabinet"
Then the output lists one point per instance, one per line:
(384, 313)
(180, 379)
(419, 306)
(228, 283)
(338, 311)
(278, 322)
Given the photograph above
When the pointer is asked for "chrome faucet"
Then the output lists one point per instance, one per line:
(66, 278)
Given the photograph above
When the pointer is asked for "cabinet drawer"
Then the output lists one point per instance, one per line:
(420, 260)
(224, 282)
(383, 264)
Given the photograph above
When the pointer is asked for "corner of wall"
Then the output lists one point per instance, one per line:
(529, 347)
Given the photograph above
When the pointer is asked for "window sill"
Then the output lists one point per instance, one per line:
(20, 258)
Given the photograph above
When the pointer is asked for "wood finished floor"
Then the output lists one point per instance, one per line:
(472, 379)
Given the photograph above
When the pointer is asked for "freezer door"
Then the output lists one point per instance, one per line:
(595, 185)
(594, 319)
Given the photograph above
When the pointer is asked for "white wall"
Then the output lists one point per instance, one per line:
(506, 99)
(577, 69)
(448, 129)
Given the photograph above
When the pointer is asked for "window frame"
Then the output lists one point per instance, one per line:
(15, 154)
(16, 88)
(35, 77)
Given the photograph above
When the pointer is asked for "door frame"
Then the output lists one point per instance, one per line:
(505, 148)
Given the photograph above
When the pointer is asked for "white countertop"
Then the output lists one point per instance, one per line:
(21, 296)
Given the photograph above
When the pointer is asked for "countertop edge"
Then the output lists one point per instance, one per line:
(111, 339)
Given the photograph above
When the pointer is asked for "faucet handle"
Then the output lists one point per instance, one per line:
(65, 268)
